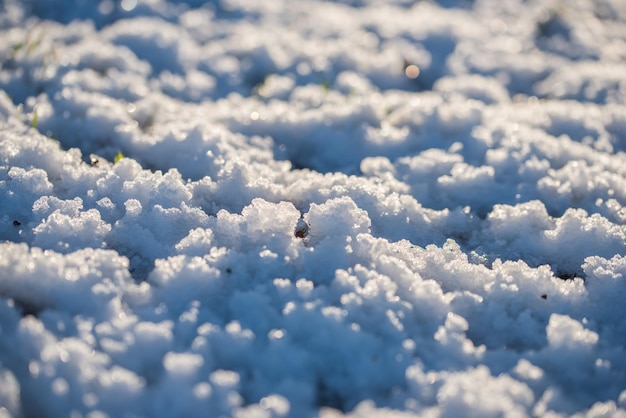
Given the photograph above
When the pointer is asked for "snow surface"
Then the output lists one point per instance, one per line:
(362, 207)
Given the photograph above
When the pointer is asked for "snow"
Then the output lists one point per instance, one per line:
(312, 208)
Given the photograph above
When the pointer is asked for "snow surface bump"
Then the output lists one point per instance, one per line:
(352, 208)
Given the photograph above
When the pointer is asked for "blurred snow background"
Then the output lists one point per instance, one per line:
(361, 207)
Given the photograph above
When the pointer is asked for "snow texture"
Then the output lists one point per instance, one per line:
(312, 208)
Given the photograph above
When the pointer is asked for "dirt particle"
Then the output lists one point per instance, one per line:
(302, 229)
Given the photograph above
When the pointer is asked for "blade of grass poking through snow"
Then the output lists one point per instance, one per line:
(33, 123)
(118, 157)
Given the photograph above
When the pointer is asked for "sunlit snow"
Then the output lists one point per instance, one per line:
(302, 208)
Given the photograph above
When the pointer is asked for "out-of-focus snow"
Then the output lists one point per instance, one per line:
(354, 208)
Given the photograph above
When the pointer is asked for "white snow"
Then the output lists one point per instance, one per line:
(312, 208)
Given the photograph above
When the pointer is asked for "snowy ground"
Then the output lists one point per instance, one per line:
(362, 207)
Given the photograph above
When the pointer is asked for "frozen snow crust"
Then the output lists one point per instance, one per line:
(300, 229)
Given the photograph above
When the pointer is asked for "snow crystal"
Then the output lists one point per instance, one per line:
(9, 395)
